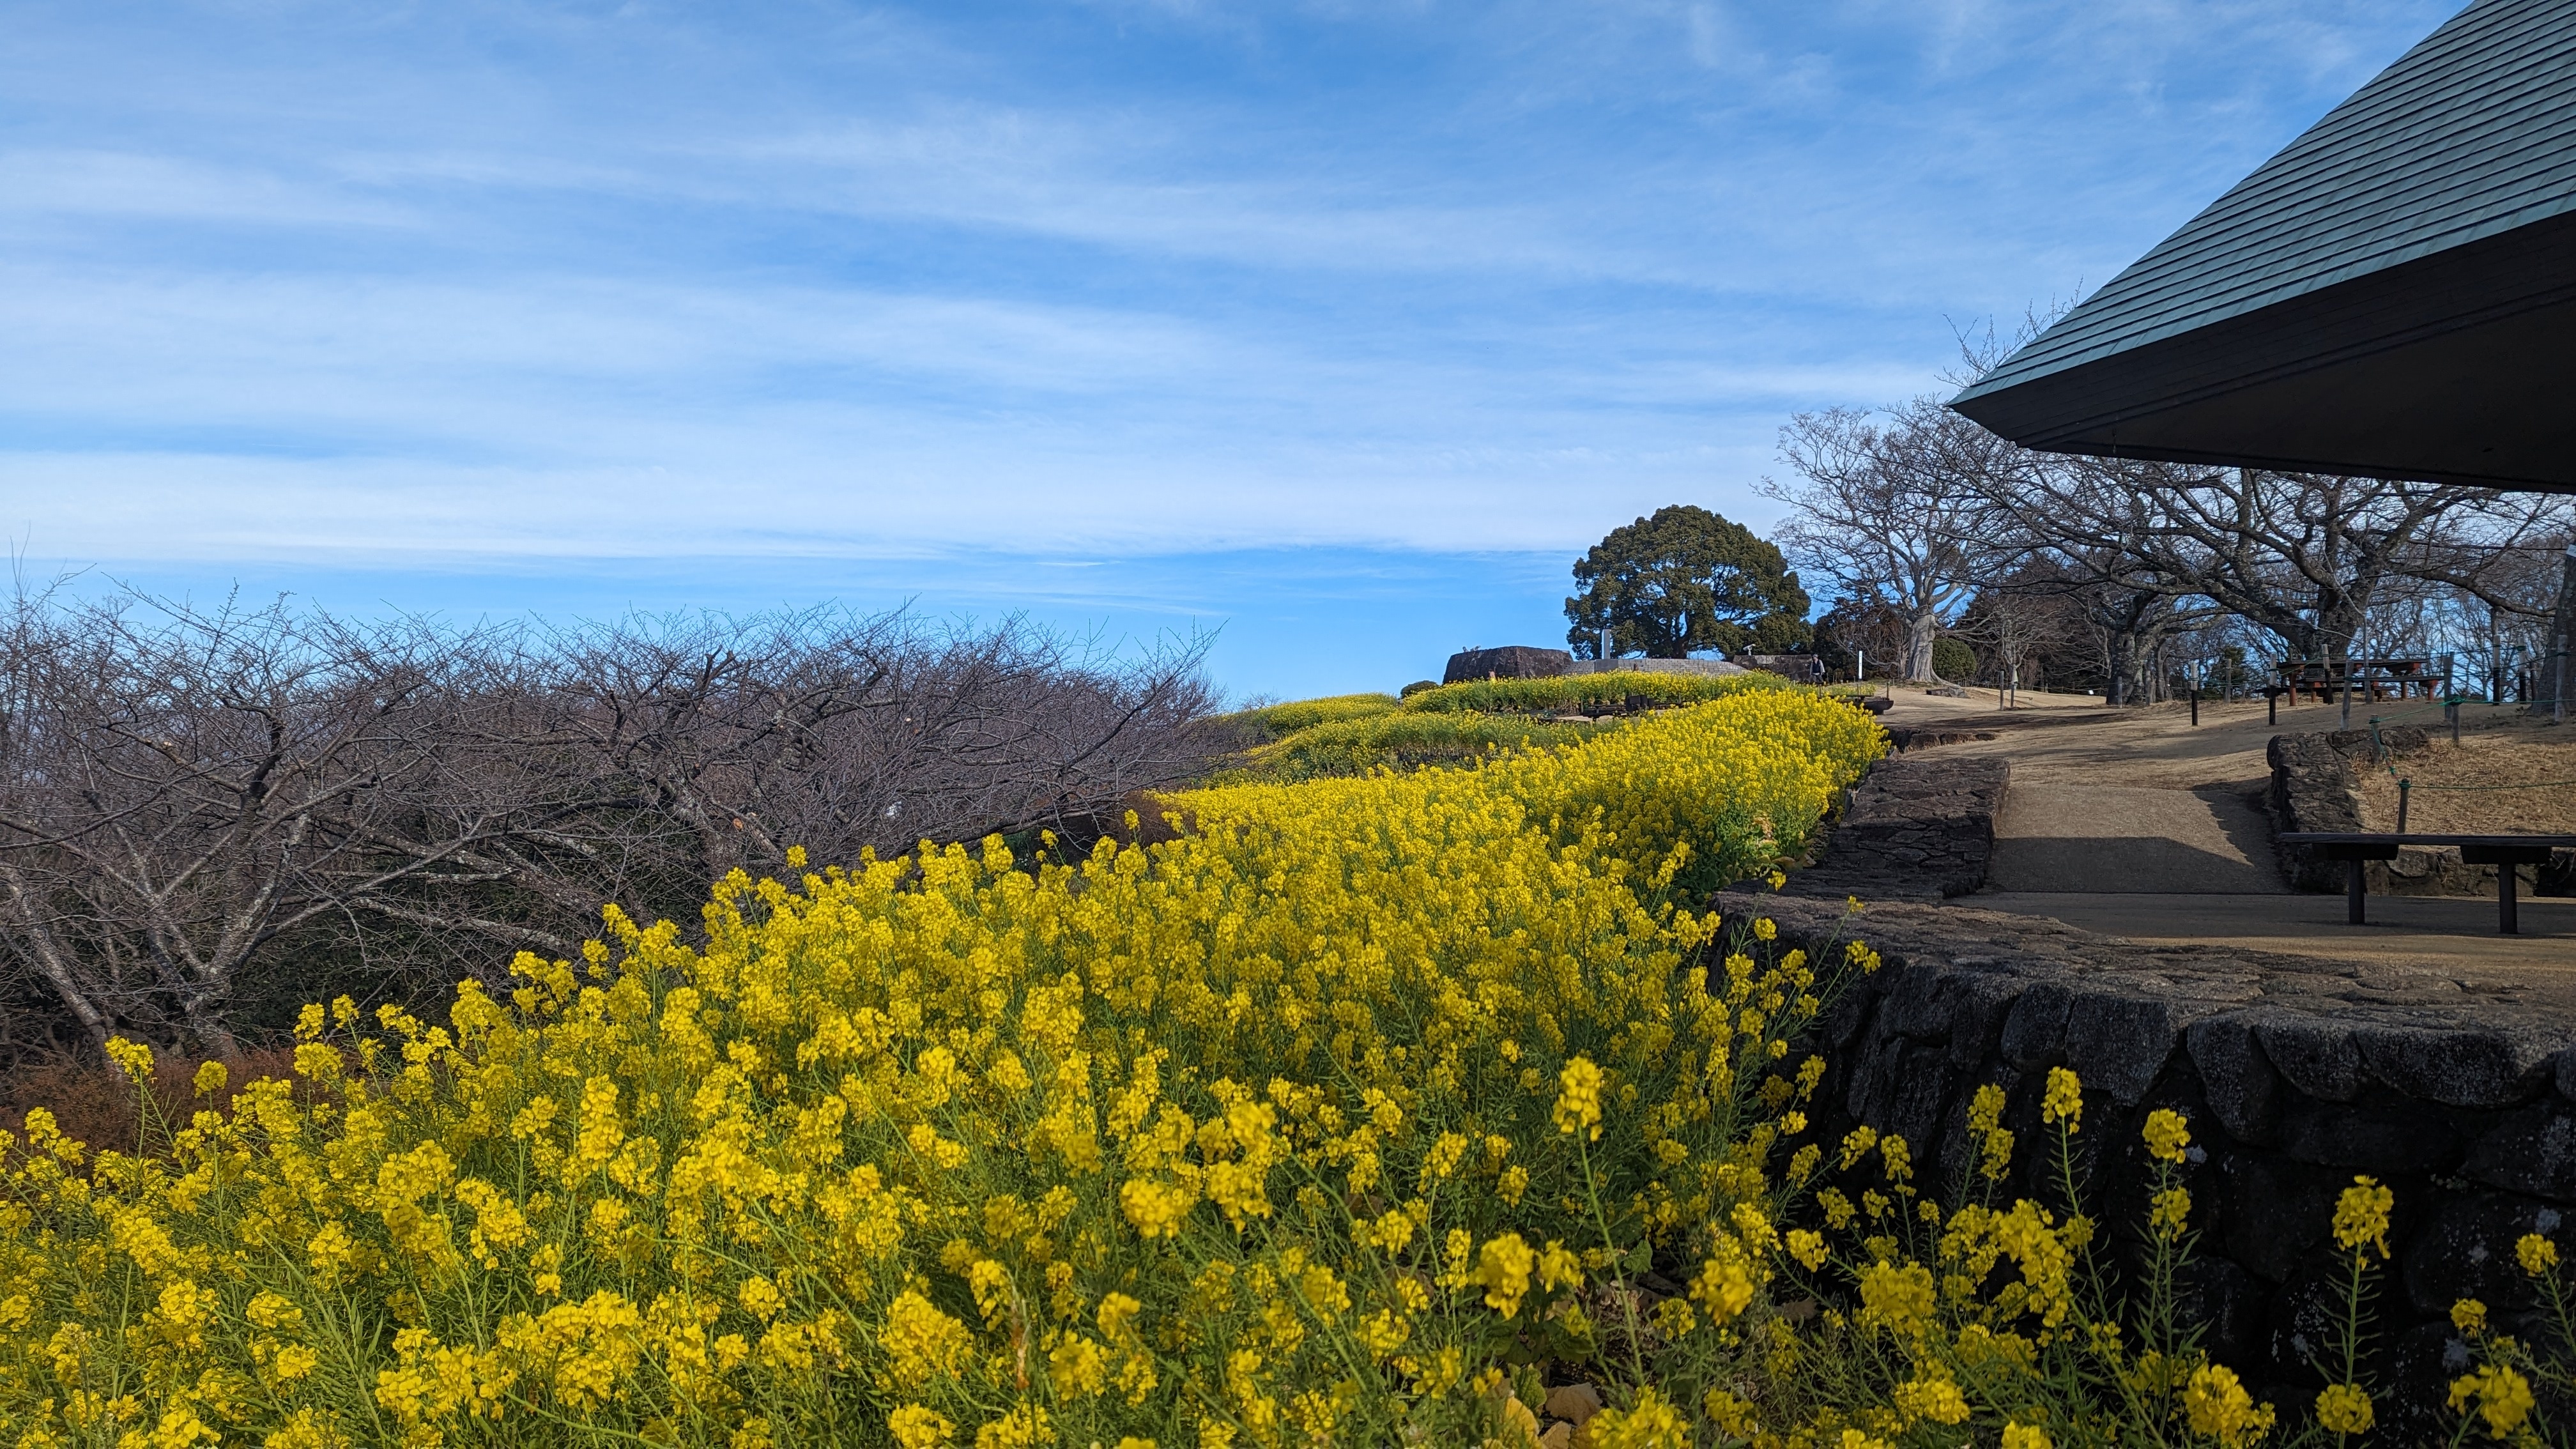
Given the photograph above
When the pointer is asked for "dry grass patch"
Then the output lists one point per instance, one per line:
(2504, 781)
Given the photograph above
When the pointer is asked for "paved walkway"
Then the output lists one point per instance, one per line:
(2136, 823)
(2134, 801)
(2128, 839)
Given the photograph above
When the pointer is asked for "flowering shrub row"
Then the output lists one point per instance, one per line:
(1278, 721)
(1403, 740)
(1317, 1122)
(1980, 1317)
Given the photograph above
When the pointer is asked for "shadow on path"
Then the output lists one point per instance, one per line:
(2125, 839)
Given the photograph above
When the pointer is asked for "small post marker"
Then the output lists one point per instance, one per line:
(2404, 788)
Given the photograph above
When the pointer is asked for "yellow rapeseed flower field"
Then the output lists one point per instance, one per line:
(1304, 1126)
(1361, 1111)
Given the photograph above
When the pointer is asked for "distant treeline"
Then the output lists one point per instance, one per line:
(208, 816)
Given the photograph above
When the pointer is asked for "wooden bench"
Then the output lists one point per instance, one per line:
(2357, 848)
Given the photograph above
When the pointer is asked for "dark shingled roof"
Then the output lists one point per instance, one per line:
(2441, 196)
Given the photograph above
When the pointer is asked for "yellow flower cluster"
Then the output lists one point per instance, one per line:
(1994, 1311)
(1688, 800)
(2505, 1389)
(1407, 739)
(1300, 1127)
(2503, 1398)
(1276, 721)
(2217, 1406)
(2346, 1409)
(2361, 1215)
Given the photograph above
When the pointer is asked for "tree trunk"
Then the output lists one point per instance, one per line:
(2554, 674)
(204, 1013)
(52, 959)
(2339, 620)
(2133, 666)
(1919, 637)
(2495, 652)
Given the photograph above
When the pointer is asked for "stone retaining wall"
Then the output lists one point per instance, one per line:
(1512, 661)
(2295, 1074)
(2315, 779)
(1915, 828)
(1902, 738)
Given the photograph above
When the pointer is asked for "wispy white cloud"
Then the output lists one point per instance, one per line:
(529, 280)
(129, 186)
(1050, 177)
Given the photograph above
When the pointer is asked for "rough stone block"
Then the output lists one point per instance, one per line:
(2314, 1054)
(2532, 1151)
(1849, 1016)
(2242, 1089)
(2459, 1068)
(2035, 1029)
(1979, 1003)
(1917, 1006)
(2464, 1249)
(1900, 1090)
(1878, 1078)
(2299, 1073)
(2305, 1316)
(2400, 742)
(2119, 1044)
(2312, 789)
(2273, 1210)
(1512, 661)
(1912, 829)
(2228, 1305)
(2376, 1133)
(2422, 1361)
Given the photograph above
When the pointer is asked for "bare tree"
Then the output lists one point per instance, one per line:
(2303, 556)
(1890, 507)
(2021, 619)
(1860, 627)
(176, 798)
(186, 794)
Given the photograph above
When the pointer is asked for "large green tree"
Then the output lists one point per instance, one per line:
(1682, 580)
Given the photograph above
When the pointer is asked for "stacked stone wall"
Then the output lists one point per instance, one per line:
(2315, 786)
(1915, 828)
(2295, 1074)
(1512, 661)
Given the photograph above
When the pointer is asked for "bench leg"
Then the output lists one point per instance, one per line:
(2352, 891)
(2507, 923)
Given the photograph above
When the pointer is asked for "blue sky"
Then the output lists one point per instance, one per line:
(1340, 329)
